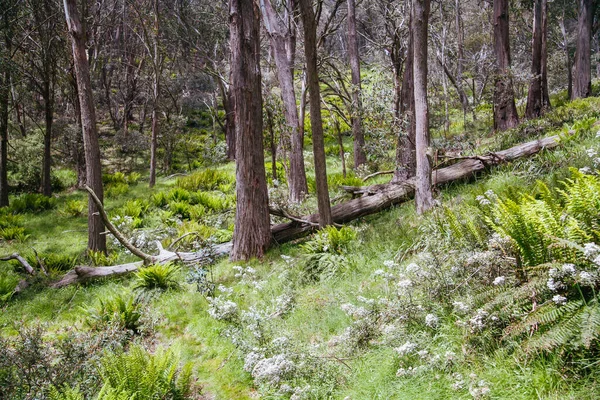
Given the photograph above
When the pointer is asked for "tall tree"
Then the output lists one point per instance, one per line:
(6, 31)
(405, 147)
(252, 234)
(157, 65)
(545, 92)
(535, 105)
(505, 110)
(582, 83)
(360, 157)
(282, 38)
(420, 21)
(96, 237)
(316, 121)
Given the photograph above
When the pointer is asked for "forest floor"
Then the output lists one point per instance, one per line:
(329, 311)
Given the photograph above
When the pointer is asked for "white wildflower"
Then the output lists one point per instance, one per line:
(586, 279)
(223, 309)
(477, 322)
(560, 300)
(585, 170)
(390, 264)
(461, 307)
(273, 370)
(499, 281)
(406, 348)
(568, 269)
(431, 320)
(252, 359)
(591, 153)
(591, 250)
(554, 285)
(423, 354)
(404, 284)
(484, 201)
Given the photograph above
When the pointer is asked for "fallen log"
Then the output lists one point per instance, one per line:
(379, 197)
(373, 199)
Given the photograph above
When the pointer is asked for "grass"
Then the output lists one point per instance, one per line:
(180, 318)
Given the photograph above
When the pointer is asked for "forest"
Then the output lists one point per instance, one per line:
(299, 199)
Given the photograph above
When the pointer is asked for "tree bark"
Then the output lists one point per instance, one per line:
(583, 67)
(155, 97)
(565, 45)
(423, 193)
(5, 83)
(534, 96)
(46, 184)
(316, 122)
(545, 92)
(460, 56)
(505, 111)
(282, 40)
(96, 239)
(360, 157)
(405, 146)
(252, 223)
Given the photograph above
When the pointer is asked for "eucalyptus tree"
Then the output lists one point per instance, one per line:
(582, 85)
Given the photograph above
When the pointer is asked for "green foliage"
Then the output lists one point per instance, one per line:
(75, 208)
(160, 199)
(32, 202)
(15, 233)
(99, 258)
(134, 208)
(52, 262)
(464, 226)
(325, 252)
(62, 179)
(214, 201)
(336, 180)
(114, 190)
(535, 223)
(180, 208)
(208, 179)
(8, 284)
(158, 276)
(65, 393)
(138, 374)
(121, 311)
(133, 178)
(179, 194)
(117, 177)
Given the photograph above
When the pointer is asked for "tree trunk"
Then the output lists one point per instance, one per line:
(420, 19)
(583, 67)
(272, 142)
(505, 111)
(48, 95)
(360, 157)
(545, 92)
(282, 42)
(405, 146)
(534, 96)
(316, 122)
(155, 98)
(5, 84)
(565, 45)
(96, 238)
(252, 235)
(460, 56)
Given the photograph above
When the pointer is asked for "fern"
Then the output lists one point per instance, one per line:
(159, 276)
(141, 375)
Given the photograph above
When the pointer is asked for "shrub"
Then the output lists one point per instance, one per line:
(208, 179)
(179, 194)
(116, 178)
(8, 284)
(62, 179)
(8, 220)
(325, 252)
(141, 375)
(133, 208)
(133, 178)
(160, 199)
(75, 208)
(122, 312)
(158, 276)
(114, 190)
(99, 258)
(32, 202)
(16, 233)
(213, 201)
(180, 208)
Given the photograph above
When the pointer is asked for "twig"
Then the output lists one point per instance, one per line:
(373, 175)
(21, 260)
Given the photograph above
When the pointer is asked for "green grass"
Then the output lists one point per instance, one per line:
(180, 319)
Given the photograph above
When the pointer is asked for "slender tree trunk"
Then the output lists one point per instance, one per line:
(565, 45)
(405, 146)
(460, 56)
(4, 98)
(252, 234)
(360, 157)
(96, 238)
(282, 41)
(272, 142)
(338, 132)
(583, 66)
(545, 92)
(505, 111)
(423, 193)
(155, 97)
(46, 185)
(534, 96)
(316, 122)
